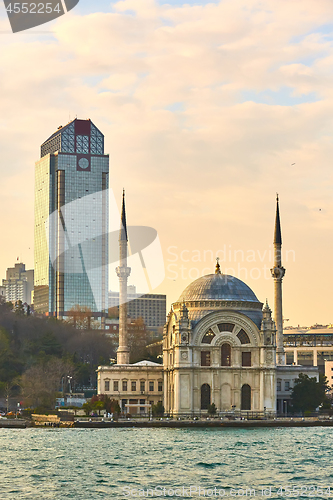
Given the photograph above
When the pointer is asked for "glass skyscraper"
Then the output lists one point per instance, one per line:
(71, 222)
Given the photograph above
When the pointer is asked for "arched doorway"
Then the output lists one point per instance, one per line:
(205, 396)
(226, 355)
(246, 397)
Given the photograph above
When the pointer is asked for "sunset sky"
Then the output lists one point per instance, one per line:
(208, 109)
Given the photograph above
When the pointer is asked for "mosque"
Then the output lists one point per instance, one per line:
(220, 345)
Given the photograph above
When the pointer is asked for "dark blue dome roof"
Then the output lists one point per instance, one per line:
(218, 287)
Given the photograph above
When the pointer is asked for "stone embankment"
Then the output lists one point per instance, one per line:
(13, 423)
(198, 424)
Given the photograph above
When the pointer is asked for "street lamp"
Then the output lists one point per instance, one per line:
(69, 378)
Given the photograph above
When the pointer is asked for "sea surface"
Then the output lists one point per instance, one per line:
(166, 463)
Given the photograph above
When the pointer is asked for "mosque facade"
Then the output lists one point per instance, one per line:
(221, 345)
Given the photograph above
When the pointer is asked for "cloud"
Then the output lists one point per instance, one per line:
(203, 171)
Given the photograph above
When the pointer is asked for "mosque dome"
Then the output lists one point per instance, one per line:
(219, 291)
(218, 287)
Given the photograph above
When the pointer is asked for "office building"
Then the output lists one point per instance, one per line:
(309, 346)
(151, 307)
(19, 284)
(71, 222)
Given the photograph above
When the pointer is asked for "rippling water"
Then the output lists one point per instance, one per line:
(110, 463)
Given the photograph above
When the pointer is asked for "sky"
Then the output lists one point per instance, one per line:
(208, 110)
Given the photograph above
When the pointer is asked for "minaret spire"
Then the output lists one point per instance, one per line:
(277, 229)
(278, 273)
(123, 227)
(123, 273)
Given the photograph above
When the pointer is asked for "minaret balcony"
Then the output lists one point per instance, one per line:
(278, 272)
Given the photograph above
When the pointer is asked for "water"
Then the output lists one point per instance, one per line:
(111, 463)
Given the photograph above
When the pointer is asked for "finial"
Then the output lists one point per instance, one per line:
(277, 196)
(217, 267)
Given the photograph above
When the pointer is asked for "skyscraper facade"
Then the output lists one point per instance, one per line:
(71, 222)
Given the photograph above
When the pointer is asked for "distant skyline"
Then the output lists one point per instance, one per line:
(208, 110)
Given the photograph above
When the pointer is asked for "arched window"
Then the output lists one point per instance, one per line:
(208, 337)
(243, 337)
(246, 397)
(205, 396)
(226, 355)
(226, 327)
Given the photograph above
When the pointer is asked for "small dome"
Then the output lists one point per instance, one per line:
(218, 287)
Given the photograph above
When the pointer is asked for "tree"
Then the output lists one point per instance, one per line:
(101, 402)
(41, 383)
(211, 409)
(10, 366)
(9, 390)
(87, 408)
(113, 312)
(30, 341)
(19, 308)
(327, 401)
(307, 393)
(80, 317)
(158, 409)
(138, 339)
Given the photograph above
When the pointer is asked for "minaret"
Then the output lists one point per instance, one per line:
(123, 273)
(277, 273)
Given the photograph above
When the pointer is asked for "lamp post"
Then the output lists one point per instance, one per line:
(69, 378)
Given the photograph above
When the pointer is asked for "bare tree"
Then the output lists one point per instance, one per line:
(41, 383)
(80, 317)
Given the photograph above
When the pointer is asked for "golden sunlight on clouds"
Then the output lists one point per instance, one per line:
(204, 110)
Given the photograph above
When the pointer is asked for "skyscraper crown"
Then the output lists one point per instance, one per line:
(78, 136)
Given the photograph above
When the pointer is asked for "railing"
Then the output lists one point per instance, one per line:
(203, 415)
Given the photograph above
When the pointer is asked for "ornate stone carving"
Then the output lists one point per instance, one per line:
(211, 320)
(226, 337)
(269, 357)
(184, 338)
(218, 304)
(123, 272)
(278, 272)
